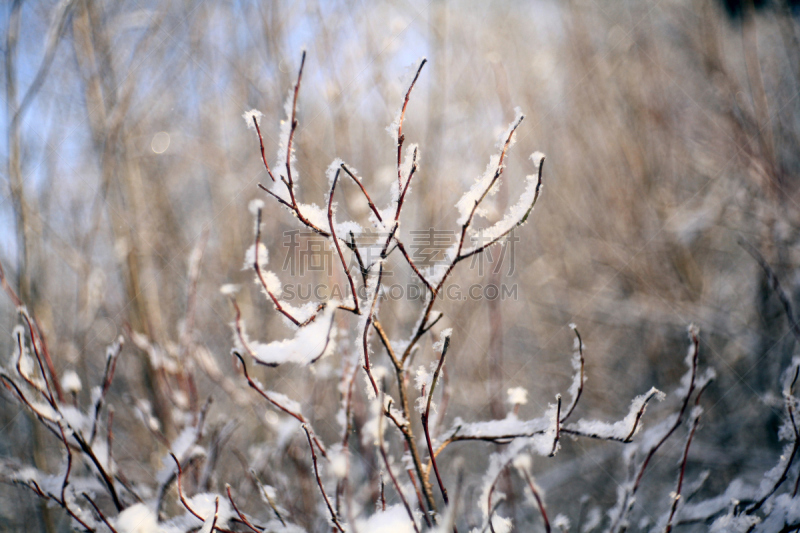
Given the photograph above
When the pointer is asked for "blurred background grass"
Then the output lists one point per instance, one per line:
(671, 128)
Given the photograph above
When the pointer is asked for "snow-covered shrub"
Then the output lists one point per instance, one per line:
(413, 491)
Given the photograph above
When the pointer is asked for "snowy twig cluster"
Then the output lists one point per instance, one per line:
(94, 491)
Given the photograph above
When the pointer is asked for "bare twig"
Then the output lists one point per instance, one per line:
(263, 155)
(685, 459)
(425, 416)
(334, 516)
(400, 136)
(339, 248)
(577, 397)
(241, 516)
(397, 487)
(558, 427)
(538, 498)
(297, 416)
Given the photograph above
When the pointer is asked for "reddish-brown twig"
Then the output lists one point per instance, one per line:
(538, 498)
(400, 136)
(297, 416)
(334, 516)
(338, 247)
(489, 498)
(241, 516)
(261, 144)
(263, 281)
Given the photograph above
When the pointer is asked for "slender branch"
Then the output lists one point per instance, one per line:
(400, 136)
(297, 416)
(263, 155)
(382, 449)
(582, 378)
(684, 460)
(795, 449)
(558, 427)
(100, 513)
(185, 503)
(538, 498)
(293, 128)
(339, 248)
(425, 416)
(241, 516)
(406, 429)
(489, 498)
(334, 517)
(112, 355)
(278, 198)
(371, 204)
(402, 193)
(263, 281)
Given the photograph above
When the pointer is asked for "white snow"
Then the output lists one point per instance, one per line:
(137, 518)
(517, 214)
(517, 396)
(204, 504)
(70, 382)
(394, 519)
(310, 342)
(621, 429)
(250, 256)
(248, 117)
(335, 167)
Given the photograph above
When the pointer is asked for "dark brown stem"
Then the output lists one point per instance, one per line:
(108, 375)
(99, 512)
(684, 460)
(582, 370)
(260, 274)
(558, 427)
(425, 416)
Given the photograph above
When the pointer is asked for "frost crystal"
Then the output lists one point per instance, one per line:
(250, 256)
(255, 206)
(624, 428)
(517, 396)
(518, 213)
(248, 117)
